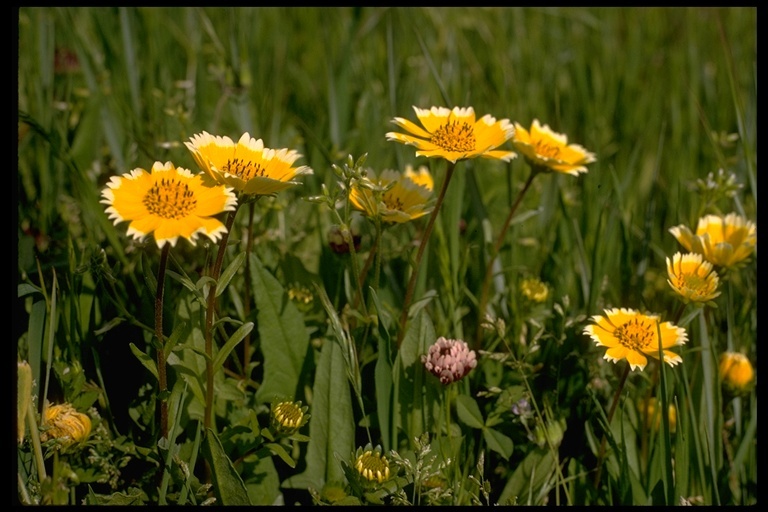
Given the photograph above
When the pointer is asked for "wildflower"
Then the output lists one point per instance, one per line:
(288, 417)
(534, 289)
(455, 134)
(633, 335)
(692, 278)
(648, 412)
(169, 201)
(247, 166)
(736, 373)
(301, 296)
(723, 240)
(337, 241)
(546, 148)
(65, 424)
(396, 197)
(449, 360)
(371, 464)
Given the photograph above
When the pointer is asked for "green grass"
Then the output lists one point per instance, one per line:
(662, 96)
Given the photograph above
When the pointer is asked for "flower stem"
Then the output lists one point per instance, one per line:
(161, 370)
(424, 239)
(215, 272)
(497, 247)
(247, 294)
(616, 396)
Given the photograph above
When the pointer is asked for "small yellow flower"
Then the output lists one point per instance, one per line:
(372, 465)
(247, 166)
(288, 417)
(545, 148)
(396, 197)
(692, 278)
(648, 412)
(534, 289)
(65, 424)
(169, 201)
(723, 240)
(736, 373)
(633, 335)
(455, 134)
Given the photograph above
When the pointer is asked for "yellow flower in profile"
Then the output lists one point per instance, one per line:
(455, 134)
(394, 196)
(723, 240)
(736, 373)
(170, 201)
(545, 148)
(247, 166)
(534, 289)
(693, 278)
(633, 335)
(648, 411)
(66, 424)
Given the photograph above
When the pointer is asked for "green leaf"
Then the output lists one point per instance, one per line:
(284, 337)
(144, 359)
(229, 273)
(498, 442)
(227, 483)
(25, 289)
(231, 343)
(528, 478)
(278, 450)
(469, 412)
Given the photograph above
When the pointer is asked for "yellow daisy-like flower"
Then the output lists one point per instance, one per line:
(371, 465)
(66, 424)
(534, 289)
(170, 201)
(723, 240)
(288, 417)
(693, 278)
(455, 134)
(633, 335)
(546, 148)
(394, 196)
(247, 166)
(736, 373)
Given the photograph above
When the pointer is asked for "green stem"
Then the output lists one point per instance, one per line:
(247, 294)
(424, 239)
(616, 396)
(485, 290)
(161, 370)
(35, 435)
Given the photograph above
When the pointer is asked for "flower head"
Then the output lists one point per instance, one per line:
(169, 201)
(371, 464)
(247, 166)
(65, 424)
(449, 360)
(394, 196)
(546, 148)
(633, 335)
(289, 417)
(723, 240)
(455, 134)
(692, 278)
(534, 289)
(736, 373)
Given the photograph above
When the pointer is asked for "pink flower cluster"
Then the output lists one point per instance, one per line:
(449, 360)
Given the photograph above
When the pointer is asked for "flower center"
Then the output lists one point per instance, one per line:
(373, 466)
(546, 149)
(455, 136)
(288, 414)
(692, 282)
(245, 170)
(635, 334)
(392, 202)
(170, 199)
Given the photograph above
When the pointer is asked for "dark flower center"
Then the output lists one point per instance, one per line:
(455, 136)
(170, 199)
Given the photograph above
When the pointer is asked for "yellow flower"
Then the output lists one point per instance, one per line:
(545, 148)
(247, 166)
(455, 134)
(534, 289)
(648, 412)
(396, 197)
(736, 373)
(65, 424)
(722, 240)
(169, 201)
(288, 417)
(692, 278)
(633, 335)
(372, 465)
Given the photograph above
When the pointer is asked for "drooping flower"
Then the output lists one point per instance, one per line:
(534, 289)
(373, 466)
(455, 134)
(65, 424)
(247, 166)
(692, 278)
(396, 197)
(169, 201)
(633, 335)
(726, 240)
(289, 417)
(736, 373)
(543, 147)
(449, 360)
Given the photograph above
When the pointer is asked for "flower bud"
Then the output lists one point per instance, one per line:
(736, 373)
